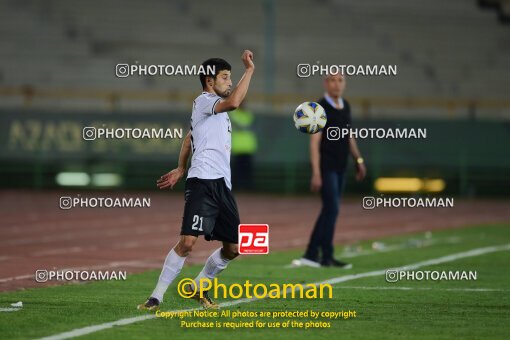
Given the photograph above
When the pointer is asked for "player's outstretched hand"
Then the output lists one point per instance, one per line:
(247, 59)
(170, 179)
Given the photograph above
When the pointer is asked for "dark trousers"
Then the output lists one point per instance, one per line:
(324, 230)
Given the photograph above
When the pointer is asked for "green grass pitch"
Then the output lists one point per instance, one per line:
(409, 309)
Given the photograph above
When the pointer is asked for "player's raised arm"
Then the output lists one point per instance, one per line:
(235, 99)
(171, 178)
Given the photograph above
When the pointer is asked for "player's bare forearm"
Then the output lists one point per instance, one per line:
(238, 94)
(168, 180)
(185, 152)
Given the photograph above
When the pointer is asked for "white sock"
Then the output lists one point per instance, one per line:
(214, 265)
(171, 268)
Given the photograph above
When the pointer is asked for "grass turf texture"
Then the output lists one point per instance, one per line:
(427, 309)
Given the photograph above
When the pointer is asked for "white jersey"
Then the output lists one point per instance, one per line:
(210, 140)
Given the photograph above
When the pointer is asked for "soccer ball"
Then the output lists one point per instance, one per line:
(310, 117)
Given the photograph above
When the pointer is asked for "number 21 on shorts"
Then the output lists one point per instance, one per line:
(197, 223)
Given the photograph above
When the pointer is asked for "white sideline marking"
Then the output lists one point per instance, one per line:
(20, 277)
(9, 309)
(115, 264)
(439, 260)
(425, 288)
(147, 264)
(13, 308)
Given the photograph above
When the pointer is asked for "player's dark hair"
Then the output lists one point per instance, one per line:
(218, 64)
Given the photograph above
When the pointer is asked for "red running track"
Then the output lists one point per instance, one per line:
(36, 234)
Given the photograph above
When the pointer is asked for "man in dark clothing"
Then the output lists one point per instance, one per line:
(329, 158)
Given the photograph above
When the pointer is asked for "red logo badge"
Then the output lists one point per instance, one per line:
(253, 239)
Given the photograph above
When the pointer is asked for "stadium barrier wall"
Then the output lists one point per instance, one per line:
(471, 156)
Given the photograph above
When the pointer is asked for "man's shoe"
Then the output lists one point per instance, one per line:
(152, 304)
(337, 264)
(205, 300)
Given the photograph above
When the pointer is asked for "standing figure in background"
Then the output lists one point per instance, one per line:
(329, 158)
(244, 147)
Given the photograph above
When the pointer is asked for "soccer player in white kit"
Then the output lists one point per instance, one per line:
(210, 207)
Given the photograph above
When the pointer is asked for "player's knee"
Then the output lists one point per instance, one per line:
(230, 252)
(187, 248)
(184, 247)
